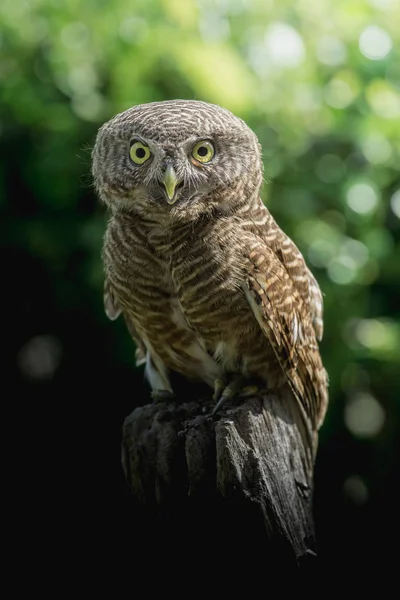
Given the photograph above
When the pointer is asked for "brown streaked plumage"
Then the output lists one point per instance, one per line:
(206, 281)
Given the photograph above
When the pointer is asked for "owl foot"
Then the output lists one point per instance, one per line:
(162, 396)
(227, 391)
(249, 390)
(219, 386)
(236, 388)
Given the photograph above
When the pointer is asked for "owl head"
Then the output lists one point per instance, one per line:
(179, 158)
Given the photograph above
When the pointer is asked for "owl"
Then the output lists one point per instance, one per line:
(208, 284)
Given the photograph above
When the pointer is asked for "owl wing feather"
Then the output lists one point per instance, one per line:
(111, 306)
(305, 283)
(113, 311)
(285, 319)
(303, 280)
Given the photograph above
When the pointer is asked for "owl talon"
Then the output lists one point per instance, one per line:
(249, 390)
(219, 387)
(162, 396)
(220, 403)
(224, 391)
(234, 389)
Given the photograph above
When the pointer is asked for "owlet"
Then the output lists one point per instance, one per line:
(208, 284)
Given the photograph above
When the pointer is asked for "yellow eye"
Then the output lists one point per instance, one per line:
(139, 153)
(203, 152)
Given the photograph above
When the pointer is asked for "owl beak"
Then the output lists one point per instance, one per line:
(170, 181)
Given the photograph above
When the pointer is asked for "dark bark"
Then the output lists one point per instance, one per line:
(236, 483)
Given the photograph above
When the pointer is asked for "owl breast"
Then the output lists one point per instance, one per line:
(138, 263)
(183, 296)
(208, 282)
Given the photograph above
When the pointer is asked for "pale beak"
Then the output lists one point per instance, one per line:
(170, 181)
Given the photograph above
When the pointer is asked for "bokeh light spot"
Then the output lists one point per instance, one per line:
(338, 93)
(342, 270)
(74, 36)
(284, 45)
(383, 99)
(133, 30)
(89, 107)
(356, 490)
(331, 51)
(395, 203)
(382, 4)
(377, 149)
(375, 43)
(377, 334)
(40, 357)
(82, 79)
(356, 251)
(362, 198)
(214, 28)
(321, 252)
(364, 416)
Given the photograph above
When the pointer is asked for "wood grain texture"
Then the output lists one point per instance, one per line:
(238, 481)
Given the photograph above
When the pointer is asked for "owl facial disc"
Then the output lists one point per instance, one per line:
(171, 181)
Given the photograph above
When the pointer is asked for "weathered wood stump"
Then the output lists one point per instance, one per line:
(238, 482)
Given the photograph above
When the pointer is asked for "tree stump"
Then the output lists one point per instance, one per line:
(238, 483)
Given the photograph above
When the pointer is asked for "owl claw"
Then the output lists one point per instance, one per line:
(220, 402)
(233, 389)
(162, 396)
(219, 387)
(226, 391)
(249, 390)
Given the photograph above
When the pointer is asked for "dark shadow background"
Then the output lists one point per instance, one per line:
(320, 86)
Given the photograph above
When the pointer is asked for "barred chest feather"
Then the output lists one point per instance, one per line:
(181, 289)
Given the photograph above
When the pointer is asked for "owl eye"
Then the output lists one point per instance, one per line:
(139, 153)
(203, 152)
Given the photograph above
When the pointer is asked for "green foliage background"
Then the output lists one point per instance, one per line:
(319, 82)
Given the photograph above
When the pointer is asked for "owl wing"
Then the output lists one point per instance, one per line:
(113, 311)
(286, 321)
(304, 281)
(302, 278)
